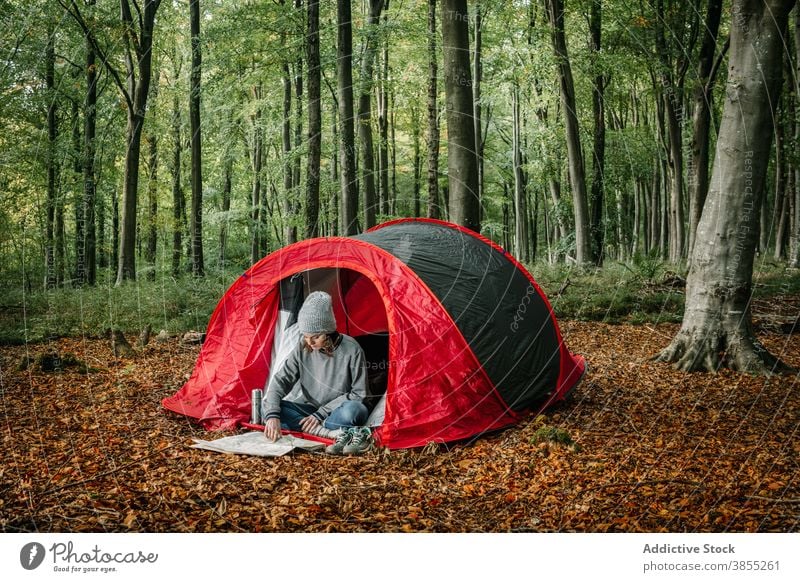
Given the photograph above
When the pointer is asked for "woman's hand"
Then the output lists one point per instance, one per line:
(309, 423)
(272, 429)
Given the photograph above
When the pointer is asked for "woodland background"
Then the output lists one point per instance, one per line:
(151, 151)
(229, 166)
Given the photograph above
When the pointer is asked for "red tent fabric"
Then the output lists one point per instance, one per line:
(446, 380)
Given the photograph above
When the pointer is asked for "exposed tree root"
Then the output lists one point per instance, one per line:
(699, 350)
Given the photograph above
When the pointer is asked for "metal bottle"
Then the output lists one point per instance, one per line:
(255, 405)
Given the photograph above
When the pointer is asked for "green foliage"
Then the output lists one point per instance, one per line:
(646, 266)
(553, 435)
(170, 304)
(614, 294)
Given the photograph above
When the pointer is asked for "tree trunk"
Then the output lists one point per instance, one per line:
(477, 77)
(80, 234)
(701, 118)
(152, 206)
(367, 161)
(433, 117)
(314, 121)
(779, 211)
(88, 244)
(139, 90)
(227, 183)
(462, 163)
(60, 236)
(196, 219)
(335, 215)
(50, 278)
(417, 162)
(717, 328)
(177, 188)
(763, 227)
(598, 110)
(520, 196)
(114, 228)
(577, 172)
(347, 174)
(102, 254)
(256, 160)
(655, 205)
(534, 227)
(554, 186)
(383, 122)
(673, 112)
(286, 145)
(393, 127)
(794, 236)
(293, 212)
(663, 241)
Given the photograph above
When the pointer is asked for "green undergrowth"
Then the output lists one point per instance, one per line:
(173, 305)
(616, 293)
(645, 290)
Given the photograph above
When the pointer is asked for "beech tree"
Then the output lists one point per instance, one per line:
(577, 170)
(314, 121)
(196, 220)
(717, 328)
(347, 154)
(462, 163)
(433, 116)
(367, 160)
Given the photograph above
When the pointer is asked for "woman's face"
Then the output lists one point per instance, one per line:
(315, 341)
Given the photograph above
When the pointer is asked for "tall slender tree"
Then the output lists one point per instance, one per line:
(344, 57)
(433, 116)
(462, 163)
(152, 205)
(577, 171)
(314, 121)
(87, 269)
(367, 160)
(521, 238)
(598, 112)
(292, 210)
(196, 219)
(178, 202)
(50, 273)
(256, 163)
(477, 77)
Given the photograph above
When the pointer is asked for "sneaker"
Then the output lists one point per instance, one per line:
(344, 438)
(360, 441)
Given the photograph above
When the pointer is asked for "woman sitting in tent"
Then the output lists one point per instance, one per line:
(331, 371)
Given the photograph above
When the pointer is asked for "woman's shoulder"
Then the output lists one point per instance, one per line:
(349, 342)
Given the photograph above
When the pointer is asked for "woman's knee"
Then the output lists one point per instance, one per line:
(350, 413)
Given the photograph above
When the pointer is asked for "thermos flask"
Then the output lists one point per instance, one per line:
(255, 406)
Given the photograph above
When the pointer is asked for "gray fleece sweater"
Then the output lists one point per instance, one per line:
(324, 381)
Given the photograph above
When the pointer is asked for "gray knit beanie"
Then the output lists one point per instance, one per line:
(316, 314)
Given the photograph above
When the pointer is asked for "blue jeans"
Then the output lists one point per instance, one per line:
(348, 413)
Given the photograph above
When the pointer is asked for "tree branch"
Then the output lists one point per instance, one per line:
(127, 19)
(139, 14)
(717, 64)
(76, 14)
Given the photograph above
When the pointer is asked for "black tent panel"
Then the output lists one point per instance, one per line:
(497, 309)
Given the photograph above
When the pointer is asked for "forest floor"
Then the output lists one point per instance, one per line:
(640, 447)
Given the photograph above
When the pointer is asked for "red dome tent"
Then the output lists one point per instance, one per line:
(468, 339)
